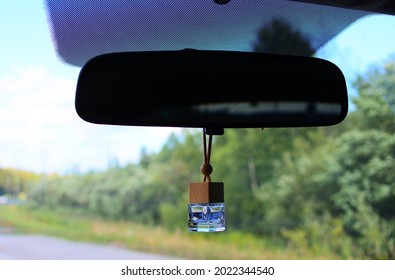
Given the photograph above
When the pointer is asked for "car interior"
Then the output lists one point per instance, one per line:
(278, 122)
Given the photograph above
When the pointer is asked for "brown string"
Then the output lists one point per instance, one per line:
(206, 168)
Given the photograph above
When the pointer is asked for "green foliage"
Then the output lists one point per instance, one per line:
(351, 179)
(121, 193)
(376, 100)
(351, 176)
(14, 182)
(322, 235)
(250, 161)
(363, 172)
(298, 188)
(174, 216)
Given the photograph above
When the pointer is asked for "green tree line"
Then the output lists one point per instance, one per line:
(14, 182)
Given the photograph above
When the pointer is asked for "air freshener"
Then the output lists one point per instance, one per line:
(206, 208)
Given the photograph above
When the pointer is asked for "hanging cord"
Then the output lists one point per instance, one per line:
(206, 167)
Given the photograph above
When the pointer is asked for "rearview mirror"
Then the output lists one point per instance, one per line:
(222, 89)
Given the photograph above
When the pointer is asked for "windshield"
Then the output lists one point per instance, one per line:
(291, 193)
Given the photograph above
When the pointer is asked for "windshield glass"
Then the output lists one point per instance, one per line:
(291, 193)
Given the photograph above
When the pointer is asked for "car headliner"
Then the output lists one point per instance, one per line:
(84, 29)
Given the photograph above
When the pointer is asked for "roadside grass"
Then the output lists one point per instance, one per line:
(178, 244)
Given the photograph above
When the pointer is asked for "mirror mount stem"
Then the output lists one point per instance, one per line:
(214, 131)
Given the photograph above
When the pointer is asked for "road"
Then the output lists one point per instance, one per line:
(38, 247)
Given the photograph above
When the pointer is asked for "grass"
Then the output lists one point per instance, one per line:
(227, 245)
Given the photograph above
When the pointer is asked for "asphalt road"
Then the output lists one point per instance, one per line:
(38, 247)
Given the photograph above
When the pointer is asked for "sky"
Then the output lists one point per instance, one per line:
(39, 128)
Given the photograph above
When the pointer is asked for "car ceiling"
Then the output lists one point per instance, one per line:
(84, 29)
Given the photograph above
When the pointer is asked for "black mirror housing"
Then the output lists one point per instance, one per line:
(226, 89)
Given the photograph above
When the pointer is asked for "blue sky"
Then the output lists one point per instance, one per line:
(40, 130)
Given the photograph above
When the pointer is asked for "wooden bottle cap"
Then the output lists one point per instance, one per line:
(206, 192)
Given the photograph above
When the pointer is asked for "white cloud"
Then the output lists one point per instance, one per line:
(40, 130)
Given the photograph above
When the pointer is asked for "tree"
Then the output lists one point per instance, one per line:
(375, 102)
(14, 181)
(279, 37)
